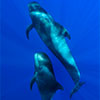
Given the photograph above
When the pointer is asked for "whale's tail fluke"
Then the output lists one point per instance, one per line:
(76, 88)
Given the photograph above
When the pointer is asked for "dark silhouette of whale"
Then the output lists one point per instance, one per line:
(53, 35)
(44, 76)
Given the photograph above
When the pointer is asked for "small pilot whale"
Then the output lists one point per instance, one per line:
(44, 76)
(53, 35)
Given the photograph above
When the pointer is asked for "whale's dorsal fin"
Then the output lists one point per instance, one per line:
(59, 86)
(49, 95)
(63, 31)
(66, 34)
(29, 28)
(33, 80)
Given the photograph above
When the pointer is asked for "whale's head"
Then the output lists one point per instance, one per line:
(41, 60)
(35, 6)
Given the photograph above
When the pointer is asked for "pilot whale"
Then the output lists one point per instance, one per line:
(53, 35)
(44, 76)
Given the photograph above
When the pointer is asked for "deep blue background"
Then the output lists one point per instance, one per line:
(79, 17)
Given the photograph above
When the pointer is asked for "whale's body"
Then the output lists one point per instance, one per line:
(44, 76)
(53, 35)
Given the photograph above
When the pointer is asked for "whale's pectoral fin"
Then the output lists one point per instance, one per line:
(59, 86)
(29, 28)
(33, 80)
(76, 88)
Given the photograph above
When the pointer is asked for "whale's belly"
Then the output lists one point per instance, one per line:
(62, 52)
(61, 48)
(45, 80)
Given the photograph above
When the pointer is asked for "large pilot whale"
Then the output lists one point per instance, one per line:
(44, 76)
(53, 35)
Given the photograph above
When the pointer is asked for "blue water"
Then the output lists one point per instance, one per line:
(79, 17)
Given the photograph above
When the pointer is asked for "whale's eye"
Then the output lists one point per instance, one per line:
(40, 67)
